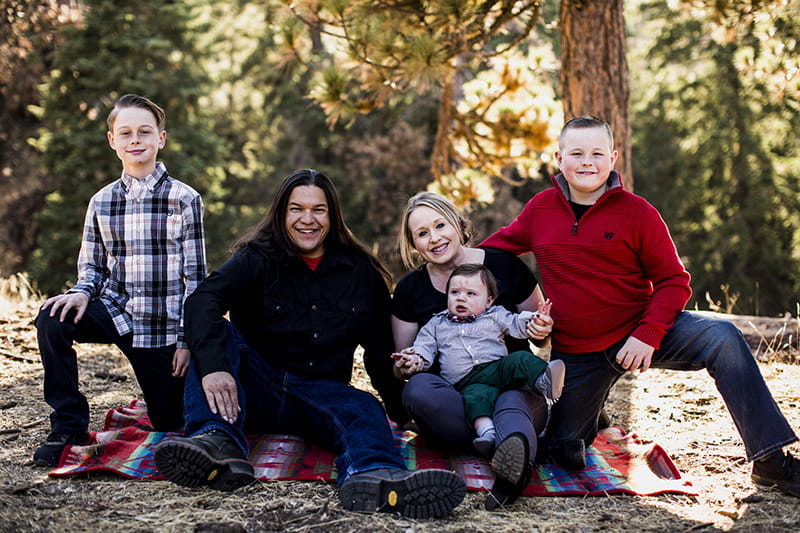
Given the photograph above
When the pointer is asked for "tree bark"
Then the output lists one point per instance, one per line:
(594, 70)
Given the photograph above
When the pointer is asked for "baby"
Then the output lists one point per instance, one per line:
(468, 339)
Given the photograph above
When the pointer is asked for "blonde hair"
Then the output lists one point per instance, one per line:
(441, 205)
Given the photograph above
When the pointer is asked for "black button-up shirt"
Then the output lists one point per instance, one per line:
(305, 322)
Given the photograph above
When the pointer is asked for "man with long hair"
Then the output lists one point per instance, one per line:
(302, 293)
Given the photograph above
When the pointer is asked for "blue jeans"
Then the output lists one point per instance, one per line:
(329, 413)
(438, 409)
(694, 342)
(152, 366)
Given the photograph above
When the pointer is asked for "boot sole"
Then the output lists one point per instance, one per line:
(510, 459)
(428, 493)
(189, 465)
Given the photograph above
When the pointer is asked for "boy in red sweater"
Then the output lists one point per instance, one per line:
(618, 288)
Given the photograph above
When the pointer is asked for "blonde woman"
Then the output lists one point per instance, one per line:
(434, 241)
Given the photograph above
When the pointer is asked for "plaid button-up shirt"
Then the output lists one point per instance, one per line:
(142, 254)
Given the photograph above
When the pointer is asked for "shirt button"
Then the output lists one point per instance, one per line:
(314, 307)
(316, 335)
(311, 363)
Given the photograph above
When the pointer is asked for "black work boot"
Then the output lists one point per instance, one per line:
(212, 459)
(568, 454)
(779, 470)
(49, 452)
(427, 493)
(513, 470)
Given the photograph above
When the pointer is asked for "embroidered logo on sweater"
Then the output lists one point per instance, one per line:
(609, 235)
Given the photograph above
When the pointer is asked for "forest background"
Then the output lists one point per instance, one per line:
(392, 97)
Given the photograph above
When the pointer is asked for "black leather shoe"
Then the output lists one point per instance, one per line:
(212, 459)
(568, 454)
(513, 470)
(778, 470)
(427, 493)
(49, 452)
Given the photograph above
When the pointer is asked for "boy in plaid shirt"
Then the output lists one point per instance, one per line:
(142, 254)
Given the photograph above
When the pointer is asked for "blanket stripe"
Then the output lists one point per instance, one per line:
(617, 462)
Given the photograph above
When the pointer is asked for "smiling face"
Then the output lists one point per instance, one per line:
(307, 220)
(435, 239)
(586, 158)
(136, 139)
(467, 296)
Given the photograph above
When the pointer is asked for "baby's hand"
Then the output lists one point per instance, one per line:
(542, 324)
(405, 356)
(542, 315)
(407, 362)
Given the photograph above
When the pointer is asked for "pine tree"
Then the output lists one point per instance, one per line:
(717, 149)
(494, 110)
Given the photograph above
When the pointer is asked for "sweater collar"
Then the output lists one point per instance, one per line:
(614, 183)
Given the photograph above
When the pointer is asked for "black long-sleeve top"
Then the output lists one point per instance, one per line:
(305, 322)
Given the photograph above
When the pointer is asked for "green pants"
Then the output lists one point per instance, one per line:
(481, 387)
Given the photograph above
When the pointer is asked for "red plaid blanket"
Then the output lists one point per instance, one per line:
(617, 462)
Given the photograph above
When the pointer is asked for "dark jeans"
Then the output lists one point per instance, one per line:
(438, 409)
(335, 415)
(152, 366)
(482, 386)
(694, 342)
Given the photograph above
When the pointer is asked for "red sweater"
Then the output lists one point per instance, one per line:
(613, 274)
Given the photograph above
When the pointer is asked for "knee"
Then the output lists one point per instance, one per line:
(730, 346)
(417, 388)
(47, 325)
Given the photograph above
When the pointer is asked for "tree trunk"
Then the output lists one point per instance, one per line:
(594, 69)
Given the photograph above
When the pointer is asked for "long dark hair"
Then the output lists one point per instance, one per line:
(271, 236)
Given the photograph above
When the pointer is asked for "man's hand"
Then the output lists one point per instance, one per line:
(635, 354)
(180, 362)
(221, 395)
(73, 300)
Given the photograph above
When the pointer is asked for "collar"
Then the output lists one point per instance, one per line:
(150, 181)
(614, 183)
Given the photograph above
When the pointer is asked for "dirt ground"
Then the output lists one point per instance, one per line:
(682, 412)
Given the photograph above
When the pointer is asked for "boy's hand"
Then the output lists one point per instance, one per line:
(74, 300)
(542, 324)
(635, 354)
(221, 395)
(180, 362)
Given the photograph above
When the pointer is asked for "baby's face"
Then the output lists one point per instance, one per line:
(467, 296)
